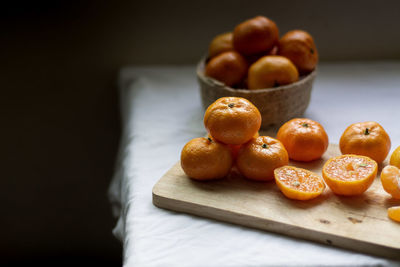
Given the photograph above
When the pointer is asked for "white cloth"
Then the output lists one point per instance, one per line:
(161, 111)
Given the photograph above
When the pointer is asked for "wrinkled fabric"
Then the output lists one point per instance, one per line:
(161, 111)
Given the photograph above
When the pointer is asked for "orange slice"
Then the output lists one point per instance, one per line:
(297, 183)
(390, 178)
(394, 213)
(349, 175)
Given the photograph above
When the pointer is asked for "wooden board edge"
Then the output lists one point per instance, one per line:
(163, 202)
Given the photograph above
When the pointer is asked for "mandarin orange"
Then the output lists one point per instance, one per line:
(258, 158)
(299, 47)
(298, 183)
(271, 71)
(349, 175)
(390, 179)
(235, 148)
(367, 139)
(256, 35)
(229, 68)
(232, 120)
(394, 213)
(221, 43)
(304, 139)
(395, 157)
(206, 159)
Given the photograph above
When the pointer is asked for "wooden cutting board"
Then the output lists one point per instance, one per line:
(357, 223)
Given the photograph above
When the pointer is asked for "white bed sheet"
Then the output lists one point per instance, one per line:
(161, 111)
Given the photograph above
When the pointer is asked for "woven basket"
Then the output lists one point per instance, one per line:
(277, 105)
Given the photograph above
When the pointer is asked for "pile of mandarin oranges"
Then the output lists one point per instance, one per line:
(253, 56)
(233, 140)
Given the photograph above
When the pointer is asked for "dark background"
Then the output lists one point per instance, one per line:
(59, 103)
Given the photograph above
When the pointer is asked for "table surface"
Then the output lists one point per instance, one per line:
(161, 111)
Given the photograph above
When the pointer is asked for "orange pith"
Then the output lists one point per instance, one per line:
(390, 178)
(394, 213)
(298, 183)
(349, 174)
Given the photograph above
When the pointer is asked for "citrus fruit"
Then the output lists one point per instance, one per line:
(367, 139)
(349, 174)
(228, 67)
(271, 71)
(220, 43)
(298, 183)
(304, 139)
(390, 179)
(395, 157)
(299, 47)
(205, 159)
(232, 120)
(394, 213)
(255, 35)
(235, 148)
(258, 158)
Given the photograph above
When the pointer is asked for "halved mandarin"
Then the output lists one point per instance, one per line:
(390, 178)
(298, 183)
(349, 175)
(394, 213)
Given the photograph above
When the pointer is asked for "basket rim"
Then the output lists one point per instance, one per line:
(200, 74)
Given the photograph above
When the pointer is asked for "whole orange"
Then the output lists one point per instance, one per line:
(271, 71)
(228, 67)
(299, 47)
(390, 179)
(255, 35)
(394, 213)
(205, 159)
(235, 148)
(367, 139)
(395, 157)
(304, 139)
(258, 158)
(232, 120)
(221, 43)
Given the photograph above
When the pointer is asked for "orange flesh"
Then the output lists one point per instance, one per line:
(350, 168)
(299, 179)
